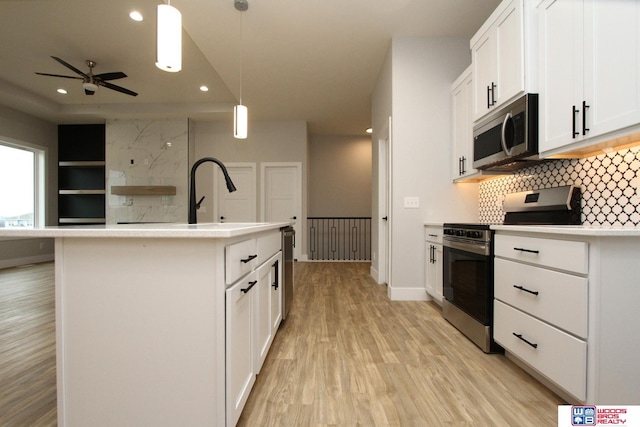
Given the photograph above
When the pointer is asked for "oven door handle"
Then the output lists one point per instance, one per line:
(476, 248)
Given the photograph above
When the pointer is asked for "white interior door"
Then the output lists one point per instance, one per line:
(239, 206)
(282, 196)
(384, 203)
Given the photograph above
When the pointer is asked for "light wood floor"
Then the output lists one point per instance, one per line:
(345, 356)
(27, 346)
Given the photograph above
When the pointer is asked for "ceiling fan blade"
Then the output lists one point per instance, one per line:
(110, 76)
(117, 88)
(71, 67)
(58, 75)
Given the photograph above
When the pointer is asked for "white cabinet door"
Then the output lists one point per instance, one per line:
(433, 282)
(589, 53)
(498, 57)
(462, 121)
(611, 65)
(484, 71)
(262, 329)
(437, 255)
(276, 292)
(510, 53)
(240, 366)
(560, 62)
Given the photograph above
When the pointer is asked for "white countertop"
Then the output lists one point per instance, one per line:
(159, 230)
(574, 230)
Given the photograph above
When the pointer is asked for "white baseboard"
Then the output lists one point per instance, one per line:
(7, 263)
(374, 273)
(407, 294)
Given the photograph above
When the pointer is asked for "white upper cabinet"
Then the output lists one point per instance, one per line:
(462, 121)
(498, 55)
(589, 61)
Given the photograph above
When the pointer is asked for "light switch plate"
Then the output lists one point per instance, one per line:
(411, 202)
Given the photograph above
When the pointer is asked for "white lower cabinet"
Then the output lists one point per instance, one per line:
(540, 313)
(565, 309)
(253, 315)
(265, 297)
(433, 263)
(557, 355)
(241, 374)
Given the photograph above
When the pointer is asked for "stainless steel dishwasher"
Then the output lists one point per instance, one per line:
(288, 243)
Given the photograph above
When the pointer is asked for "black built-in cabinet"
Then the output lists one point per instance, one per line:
(81, 174)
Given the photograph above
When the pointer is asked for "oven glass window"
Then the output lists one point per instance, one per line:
(468, 283)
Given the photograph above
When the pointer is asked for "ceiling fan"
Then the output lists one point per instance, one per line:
(90, 82)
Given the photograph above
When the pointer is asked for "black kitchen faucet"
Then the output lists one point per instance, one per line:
(192, 186)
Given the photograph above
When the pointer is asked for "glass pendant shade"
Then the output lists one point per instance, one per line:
(169, 48)
(240, 116)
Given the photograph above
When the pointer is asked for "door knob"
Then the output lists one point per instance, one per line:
(294, 217)
(385, 218)
(221, 218)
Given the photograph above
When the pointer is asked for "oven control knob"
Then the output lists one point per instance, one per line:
(460, 233)
(474, 234)
(448, 231)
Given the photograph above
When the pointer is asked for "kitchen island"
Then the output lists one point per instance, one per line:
(142, 321)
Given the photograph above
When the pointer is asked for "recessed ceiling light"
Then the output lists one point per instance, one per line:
(369, 130)
(204, 88)
(136, 16)
(62, 91)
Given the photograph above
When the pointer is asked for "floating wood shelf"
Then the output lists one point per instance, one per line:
(143, 190)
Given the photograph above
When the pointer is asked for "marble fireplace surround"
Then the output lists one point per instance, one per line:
(147, 153)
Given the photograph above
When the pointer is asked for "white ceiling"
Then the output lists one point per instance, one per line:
(311, 60)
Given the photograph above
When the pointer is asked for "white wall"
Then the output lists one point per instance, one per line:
(276, 141)
(422, 70)
(339, 176)
(21, 127)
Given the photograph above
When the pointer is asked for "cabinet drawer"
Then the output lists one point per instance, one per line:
(517, 285)
(558, 356)
(240, 258)
(561, 254)
(268, 245)
(433, 234)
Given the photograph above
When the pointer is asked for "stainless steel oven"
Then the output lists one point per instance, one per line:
(468, 282)
(468, 271)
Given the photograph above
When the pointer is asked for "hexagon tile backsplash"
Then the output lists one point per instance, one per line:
(608, 182)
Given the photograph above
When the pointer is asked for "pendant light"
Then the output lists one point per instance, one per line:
(240, 112)
(169, 48)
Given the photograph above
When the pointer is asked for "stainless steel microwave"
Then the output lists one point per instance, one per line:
(507, 139)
